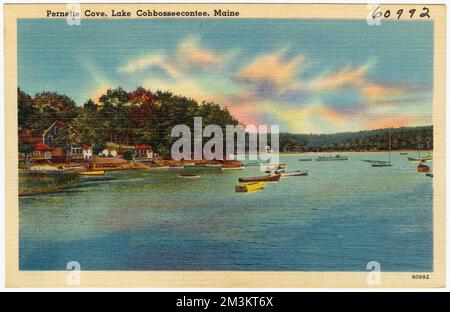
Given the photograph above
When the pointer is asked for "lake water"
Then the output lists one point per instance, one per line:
(340, 217)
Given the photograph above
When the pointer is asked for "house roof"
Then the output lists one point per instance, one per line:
(143, 147)
(85, 146)
(42, 147)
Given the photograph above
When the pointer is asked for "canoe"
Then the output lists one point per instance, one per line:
(331, 158)
(267, 178)
(375, 161)
(189, 176)
(295, 174)
(250, 187)
(382, 164)
(305, 159)
(93, 173)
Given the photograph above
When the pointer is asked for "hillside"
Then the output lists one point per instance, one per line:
(369, 140)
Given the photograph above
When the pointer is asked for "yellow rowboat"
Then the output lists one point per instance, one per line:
(250, 187)
(93, 173)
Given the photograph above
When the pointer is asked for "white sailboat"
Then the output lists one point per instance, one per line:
(384, 163)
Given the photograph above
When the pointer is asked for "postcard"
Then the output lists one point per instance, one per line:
(225, 145)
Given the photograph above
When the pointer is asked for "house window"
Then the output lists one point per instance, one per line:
(48, 154)
(56, 130)
(77, 150)
(36, 153)
(49, 139)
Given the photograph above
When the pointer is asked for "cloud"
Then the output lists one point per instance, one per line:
(349, 76)
(275, 68)
(375, 92)
(191, 53)
(272, 88)
(188, 55)
(390, 122)
(150, 61)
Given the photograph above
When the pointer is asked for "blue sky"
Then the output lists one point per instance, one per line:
(319, 76)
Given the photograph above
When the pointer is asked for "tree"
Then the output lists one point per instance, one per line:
(25, 109)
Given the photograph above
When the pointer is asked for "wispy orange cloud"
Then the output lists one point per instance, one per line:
(191, 53)
(273, 67)
(145, 62)
(373, 92)
(347, 76)
(390, 122)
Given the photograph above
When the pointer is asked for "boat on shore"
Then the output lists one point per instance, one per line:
(93, 173)
(267, 178)
(297, 173)
(176, 167)
(403, 153)
(331, 158)
(250, 187)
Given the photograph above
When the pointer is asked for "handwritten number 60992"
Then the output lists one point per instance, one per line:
(378, 13)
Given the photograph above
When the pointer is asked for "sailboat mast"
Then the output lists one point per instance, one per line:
(389, 146)
(418, 148)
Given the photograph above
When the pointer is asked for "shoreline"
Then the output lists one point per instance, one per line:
(354, 152)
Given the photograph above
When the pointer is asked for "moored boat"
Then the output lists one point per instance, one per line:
(374, 161)
(423, 168)
(272, 167)
(267, 178)
(297, 173)
(331, 158)
(250, 187)
(189, 176)
(233, 168)
(305, 159)
(382, 164)
(422, 159)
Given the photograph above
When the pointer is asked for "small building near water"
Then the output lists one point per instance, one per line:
(82, 152)
(143, 152)
(41, 153)
(109, 152)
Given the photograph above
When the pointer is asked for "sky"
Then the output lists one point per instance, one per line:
(307, 76)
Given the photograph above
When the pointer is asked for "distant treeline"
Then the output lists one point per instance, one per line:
(369, 140)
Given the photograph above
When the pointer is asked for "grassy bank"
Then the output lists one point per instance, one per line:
(39, 183)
